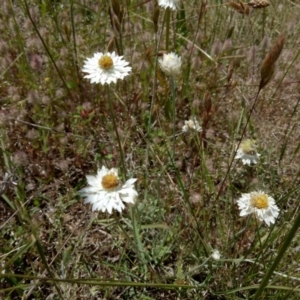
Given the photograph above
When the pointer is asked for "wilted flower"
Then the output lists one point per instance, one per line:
(170, 64)
(190, 125)
(172, 4)
(105, 68)
(247, 152)
(105, 192)
(259, 203)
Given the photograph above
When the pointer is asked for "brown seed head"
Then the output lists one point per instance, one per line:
(240, 7)
(116, 7)
(268, 64)
(259, 3)
(155, 16)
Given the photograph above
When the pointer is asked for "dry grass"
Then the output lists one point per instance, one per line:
(56, 127)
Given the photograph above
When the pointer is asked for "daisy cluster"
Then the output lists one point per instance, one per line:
(258, 203)
(106, 193)
(106, 68)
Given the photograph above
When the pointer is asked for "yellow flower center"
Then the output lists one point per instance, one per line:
(259, 201)
(105, 62)
(248, 147)
(168, 57)
(110, 181)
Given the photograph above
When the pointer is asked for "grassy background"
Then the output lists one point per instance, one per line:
(56, 127)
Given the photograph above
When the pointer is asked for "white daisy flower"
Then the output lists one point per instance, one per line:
(170, 64)
(190, 125)
(247, 152)
(105, 192)
(172, 4)
(105, 68)
(216, 255)
(261, 204)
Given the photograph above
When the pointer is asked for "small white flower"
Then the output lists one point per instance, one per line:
(172, 4)
(105, 68)
(247, 152)
(216, 255)
(190, 125)
(105, 192)
(170, 64)
(259, 203)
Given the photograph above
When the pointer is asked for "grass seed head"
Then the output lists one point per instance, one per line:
(46, 100)
(32, 97)
(240, 7)
(3, 46)
(20, 158)
(32, 134)
(116, 7)
(268, 64)
(36, 62)
(155, 16)
(259, 3)
(117, 24)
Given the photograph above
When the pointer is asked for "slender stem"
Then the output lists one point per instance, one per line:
(167, 16)
(117, 217)
(172, 83)
(253, 52)
(47, 49)
(113, 117)
(96, 282)
(242, 136)
(136, 232)
(158, 40)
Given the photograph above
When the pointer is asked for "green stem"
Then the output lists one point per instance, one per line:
(172, 83)
(47, 49)
(116, 217)
(136, 231)
(167, 16)
(113, 117)
(238, 144)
